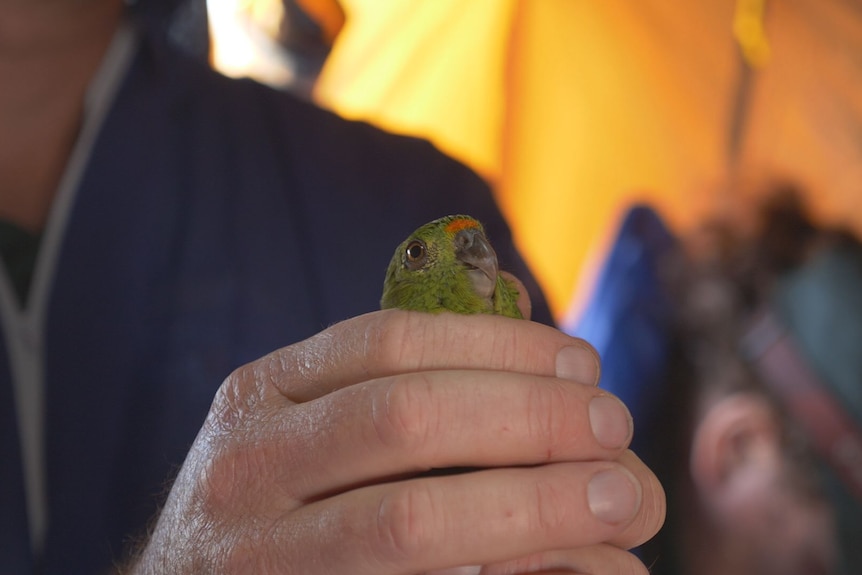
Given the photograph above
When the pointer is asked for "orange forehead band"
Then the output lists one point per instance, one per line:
(459, 224)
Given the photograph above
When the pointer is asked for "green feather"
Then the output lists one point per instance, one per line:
(448, 265)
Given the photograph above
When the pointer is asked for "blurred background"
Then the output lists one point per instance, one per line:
(572, 110)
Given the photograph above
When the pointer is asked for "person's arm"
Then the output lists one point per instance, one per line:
(313, 458)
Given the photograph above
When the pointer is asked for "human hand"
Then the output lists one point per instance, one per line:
(313, 459)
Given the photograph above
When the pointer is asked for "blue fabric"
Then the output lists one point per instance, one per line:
(627, 318)
(217, 221)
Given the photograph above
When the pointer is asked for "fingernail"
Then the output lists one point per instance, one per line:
(613, 496)
(610, 421)
(577, 364)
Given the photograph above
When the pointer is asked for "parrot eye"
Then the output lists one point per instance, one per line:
(415, 254)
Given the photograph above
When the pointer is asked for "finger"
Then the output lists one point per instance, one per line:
(483, 517)
(594, 560)
(394, 341)
(651, 515)
(524, 302)
(411, 423)
(464, 570)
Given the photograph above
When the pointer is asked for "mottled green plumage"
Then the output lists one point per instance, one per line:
(448, 265)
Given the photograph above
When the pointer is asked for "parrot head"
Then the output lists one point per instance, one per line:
(447, 264)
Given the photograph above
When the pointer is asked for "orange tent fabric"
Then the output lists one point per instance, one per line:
(573, 109)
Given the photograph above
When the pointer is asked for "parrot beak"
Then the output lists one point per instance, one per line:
(474, 251)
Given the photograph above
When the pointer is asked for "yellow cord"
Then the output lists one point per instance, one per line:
(750, 33)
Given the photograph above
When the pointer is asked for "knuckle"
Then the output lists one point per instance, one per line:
(552, 507)
(227, 479)
(385, 338)
(248, 551)
(549, 417)
(406, 523)
(237, 397)
(232, 462)
(403, 414)
(237, 557)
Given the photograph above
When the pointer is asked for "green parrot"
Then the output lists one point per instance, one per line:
(449, 265)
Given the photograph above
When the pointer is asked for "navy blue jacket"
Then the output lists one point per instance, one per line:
(217, 220)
